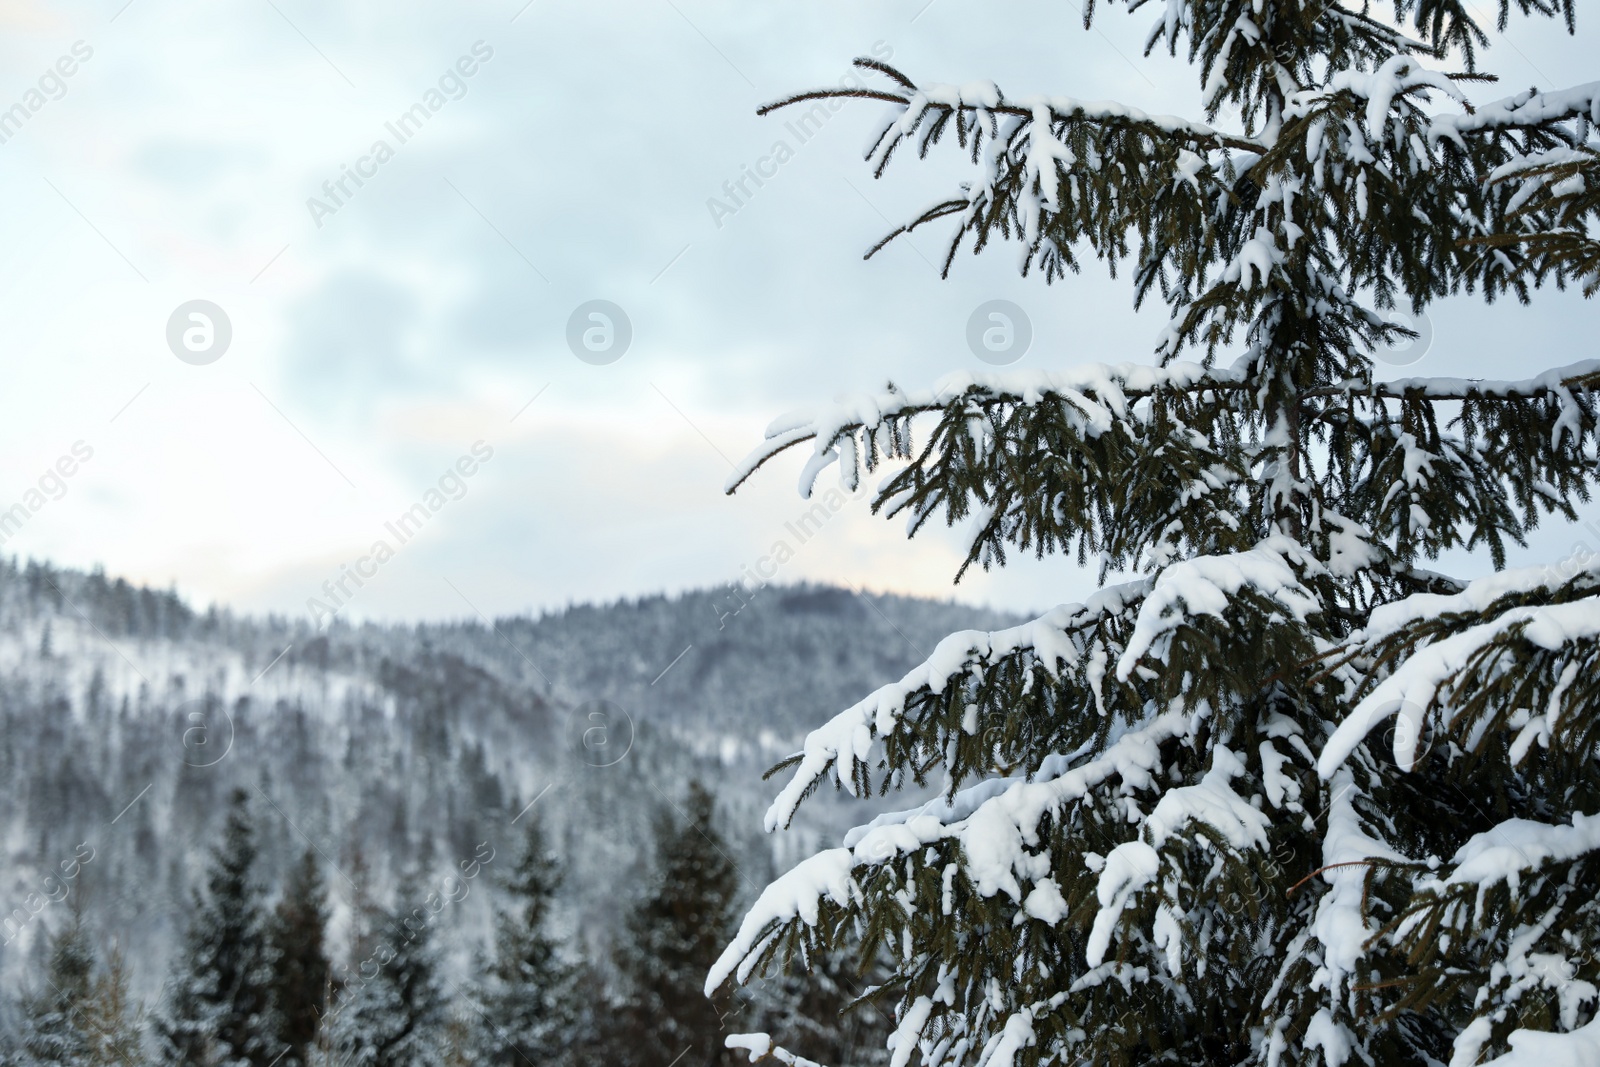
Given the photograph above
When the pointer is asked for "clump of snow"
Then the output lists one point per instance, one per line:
(1417, 681)
(760, 1047)
(1207, 585)
(1045, 903)
(845, 742)
(1347, 849)
(1016, 1035)
(1532, 1048)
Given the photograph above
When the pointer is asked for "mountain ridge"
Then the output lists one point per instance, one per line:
(126, 717)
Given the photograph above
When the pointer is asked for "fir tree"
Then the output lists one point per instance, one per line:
(671, 939)
(55, 1030)
(1164, 835)
(83, 1015)
(113, 1021)
(392, 1011)
(828, 1015)
(531, 999)
(301, 973)
(220, 1009)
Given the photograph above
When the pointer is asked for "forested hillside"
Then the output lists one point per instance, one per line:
(389, 757)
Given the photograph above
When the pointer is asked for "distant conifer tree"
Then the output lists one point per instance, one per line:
(393, 1011)
(532, 998)
(55, 1028)
(220, 1001)
(301, 973)
(672, 937)
(113, 1020)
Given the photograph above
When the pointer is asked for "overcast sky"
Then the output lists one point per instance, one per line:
(378, 335)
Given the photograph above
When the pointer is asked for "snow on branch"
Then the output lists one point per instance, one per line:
(845, 742)
(1503, 852)
(1054, 171)
(1540, 170)
(1526, 109)
(1207, 585)
(1558, 381)
(1396, 77)
(1535, 1048)
(1417, 683)
(1341, 924)
(1539, 161)
(1478, 596)
(1098, 392)
(1003, 1048)
(994, 822)
(1364, 23)
(982, 100)
(760, 1047)
(1133, 865)
(1557, 204)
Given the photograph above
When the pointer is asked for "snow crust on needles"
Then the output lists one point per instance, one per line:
(847, 738)
(1551, 381)
(1133, 865)
(1525, 108)
(1399, 74)
(994, 835)
(1501, 854)
(1340, 924)
(1535, 1048)
(1108, 383)
(1417, 681)
(1206, 585)
(986, 96)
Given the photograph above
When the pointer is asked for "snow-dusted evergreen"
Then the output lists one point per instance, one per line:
(338, 724)
(81, 1015)
(393, 1008)
(383, 749)
(1173, 828)
(112, 1019)
(56, 1029)
(534, 1006)
(220, 1009)
(302, 975)
(672, 937)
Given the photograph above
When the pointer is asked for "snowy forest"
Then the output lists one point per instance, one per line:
(237, 840)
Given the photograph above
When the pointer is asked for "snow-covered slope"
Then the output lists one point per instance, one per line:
(126, 719)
